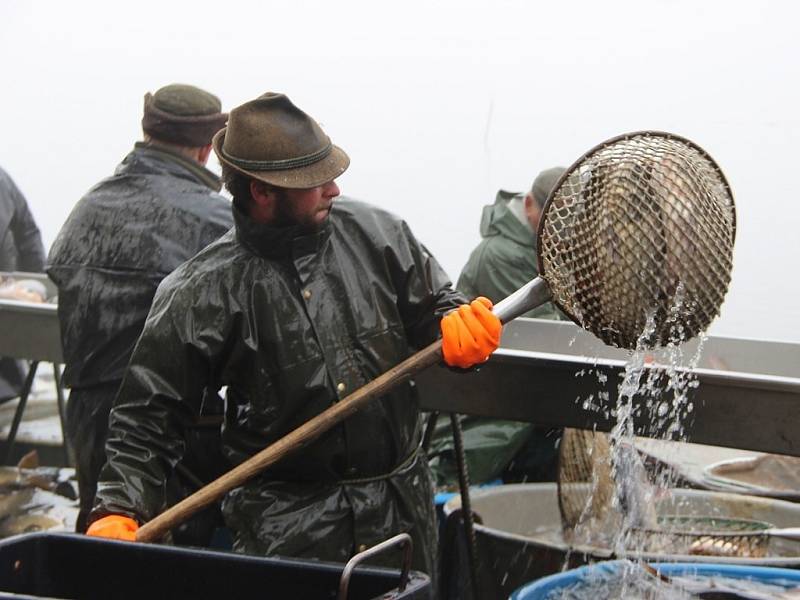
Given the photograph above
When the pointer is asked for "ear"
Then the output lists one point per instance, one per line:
(264, 198)
(261, 192)
(203, 154)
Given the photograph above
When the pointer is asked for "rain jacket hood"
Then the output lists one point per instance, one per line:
(497, 220)
(121, 239)
(289, 323)
(505, 259)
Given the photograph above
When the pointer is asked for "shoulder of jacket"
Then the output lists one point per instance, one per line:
(376, 222)
(217, 267)
(500, 250)
(5, 180)
(359, 209)
(218, 204)
(475, 264)
(220, 257)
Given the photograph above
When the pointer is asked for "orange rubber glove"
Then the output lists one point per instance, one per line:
(114, 527)
(470, 334)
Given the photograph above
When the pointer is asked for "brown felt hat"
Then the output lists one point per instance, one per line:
(272, 140)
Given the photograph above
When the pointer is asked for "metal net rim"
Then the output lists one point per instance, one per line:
(569, 172)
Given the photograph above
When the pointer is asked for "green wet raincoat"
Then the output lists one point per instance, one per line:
(290, 324)
(503, 261)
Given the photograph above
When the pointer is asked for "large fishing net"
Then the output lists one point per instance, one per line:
(641, 227)
(636, 245)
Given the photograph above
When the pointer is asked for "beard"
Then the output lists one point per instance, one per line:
(286, 215)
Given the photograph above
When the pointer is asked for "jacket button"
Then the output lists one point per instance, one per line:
(362, 547)
(306, 294)
(341, 387)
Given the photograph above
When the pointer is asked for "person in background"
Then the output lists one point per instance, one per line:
(307, 300)
(503, 261)
(21, 249)
(159, 208)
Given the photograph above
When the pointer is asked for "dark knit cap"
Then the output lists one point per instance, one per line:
(544, 183)
(182, 114)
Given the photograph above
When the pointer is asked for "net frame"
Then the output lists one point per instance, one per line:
(677, 247)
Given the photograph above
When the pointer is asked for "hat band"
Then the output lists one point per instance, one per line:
(279, 165)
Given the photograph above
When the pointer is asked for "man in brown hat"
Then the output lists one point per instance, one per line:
(307, 300)
(123, 237)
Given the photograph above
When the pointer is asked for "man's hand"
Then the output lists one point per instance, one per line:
(470, 334)
(114, 527)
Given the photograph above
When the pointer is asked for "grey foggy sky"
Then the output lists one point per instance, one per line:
(438, 104)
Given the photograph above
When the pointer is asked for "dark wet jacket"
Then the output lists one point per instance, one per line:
(121, 239)
(505, 259)
(290, 324)
(21, 246)
(21, 249)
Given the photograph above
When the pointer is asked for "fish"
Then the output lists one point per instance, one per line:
(9, 476)
(15, 525)
(44, 478)
(29, 461)
(12, 502)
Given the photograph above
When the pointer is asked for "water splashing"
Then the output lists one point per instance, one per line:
(652, 400)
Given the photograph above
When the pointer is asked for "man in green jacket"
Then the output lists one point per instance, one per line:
(503, 261)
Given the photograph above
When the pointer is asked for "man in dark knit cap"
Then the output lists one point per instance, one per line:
(159, 208)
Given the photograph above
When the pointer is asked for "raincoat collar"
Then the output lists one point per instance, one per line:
(149, 158)
(275, 242)
(498, 220)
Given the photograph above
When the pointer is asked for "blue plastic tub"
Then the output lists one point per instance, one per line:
(541, 588)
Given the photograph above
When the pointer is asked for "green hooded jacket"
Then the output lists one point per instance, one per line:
(503, 261)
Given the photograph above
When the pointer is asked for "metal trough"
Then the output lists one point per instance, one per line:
(28, 330)
(519, 539)
(748, 395)
(31, 331)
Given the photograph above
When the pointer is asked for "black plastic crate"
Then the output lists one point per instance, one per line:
(62, 565)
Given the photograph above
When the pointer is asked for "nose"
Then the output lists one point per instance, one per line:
(330, 190)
